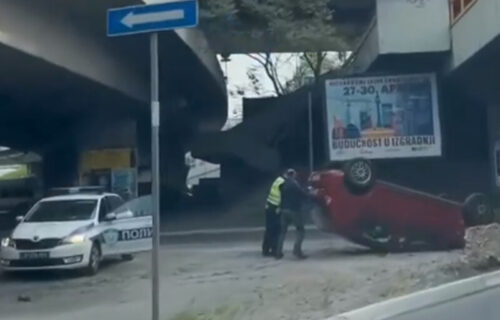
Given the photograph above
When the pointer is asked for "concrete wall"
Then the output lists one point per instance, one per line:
(475, 29)
(403, 27)
(411, 26)
(368, 50)
(60, 166)
(196, 41)
(104, 133)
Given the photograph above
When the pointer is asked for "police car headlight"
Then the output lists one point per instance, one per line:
(74, 239)
(8, 242)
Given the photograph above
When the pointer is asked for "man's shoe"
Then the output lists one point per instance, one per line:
(267, 254)
(278, 256)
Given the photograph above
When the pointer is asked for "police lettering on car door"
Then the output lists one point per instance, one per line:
(135, 234)
(112, 236)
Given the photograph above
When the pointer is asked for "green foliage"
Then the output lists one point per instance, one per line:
(218, 8)
(309, 23)
(306, 23)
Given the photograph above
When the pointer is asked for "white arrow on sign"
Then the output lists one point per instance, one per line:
(132, 19)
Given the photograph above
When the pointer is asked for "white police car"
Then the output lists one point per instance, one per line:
(76, 231)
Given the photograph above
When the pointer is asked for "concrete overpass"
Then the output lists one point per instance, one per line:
(66, 88)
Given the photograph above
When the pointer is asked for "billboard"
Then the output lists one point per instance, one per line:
(383, 117)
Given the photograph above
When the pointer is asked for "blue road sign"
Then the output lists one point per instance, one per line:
(151, 18)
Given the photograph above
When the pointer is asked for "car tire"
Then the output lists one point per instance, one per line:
(359, 175)
(94, 261)
(127, 257)
(477, 210)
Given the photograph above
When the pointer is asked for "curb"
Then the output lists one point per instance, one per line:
(221, 231)
(425, 299)
(224, 235)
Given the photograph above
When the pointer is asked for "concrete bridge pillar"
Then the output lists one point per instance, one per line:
(60, 167)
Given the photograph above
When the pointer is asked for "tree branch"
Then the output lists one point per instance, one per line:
(310, 63)
(258, 58)
(270, 68)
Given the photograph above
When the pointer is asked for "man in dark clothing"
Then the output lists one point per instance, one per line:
(292, 197)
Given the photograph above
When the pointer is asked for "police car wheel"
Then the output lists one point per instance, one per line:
(94, 261)
(127, 257)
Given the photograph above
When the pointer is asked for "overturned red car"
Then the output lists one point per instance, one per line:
(384, 216)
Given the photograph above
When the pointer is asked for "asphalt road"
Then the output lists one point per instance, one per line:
(228, 280)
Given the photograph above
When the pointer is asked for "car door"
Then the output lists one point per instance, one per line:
(107, 231)
(134, 227)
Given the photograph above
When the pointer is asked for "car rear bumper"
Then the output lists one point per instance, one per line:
(62, 257)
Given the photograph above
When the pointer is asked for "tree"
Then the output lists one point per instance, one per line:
(306, 24)
(311, 65)
(270, 64)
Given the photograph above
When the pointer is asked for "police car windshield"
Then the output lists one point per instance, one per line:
(63, 210)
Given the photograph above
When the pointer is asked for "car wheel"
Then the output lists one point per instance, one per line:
(477, 210)
(94, 261)
(127, 257)
(359, 175)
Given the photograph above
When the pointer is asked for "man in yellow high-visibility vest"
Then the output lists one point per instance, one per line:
(273, 219)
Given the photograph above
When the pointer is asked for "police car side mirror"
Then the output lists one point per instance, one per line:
(125, 215)
(110, 217)
(19, 219)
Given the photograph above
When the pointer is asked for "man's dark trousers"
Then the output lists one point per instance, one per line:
(273, 230)
(292, 217)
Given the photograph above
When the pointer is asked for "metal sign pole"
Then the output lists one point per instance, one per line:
(155, 175)
(153, 18)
